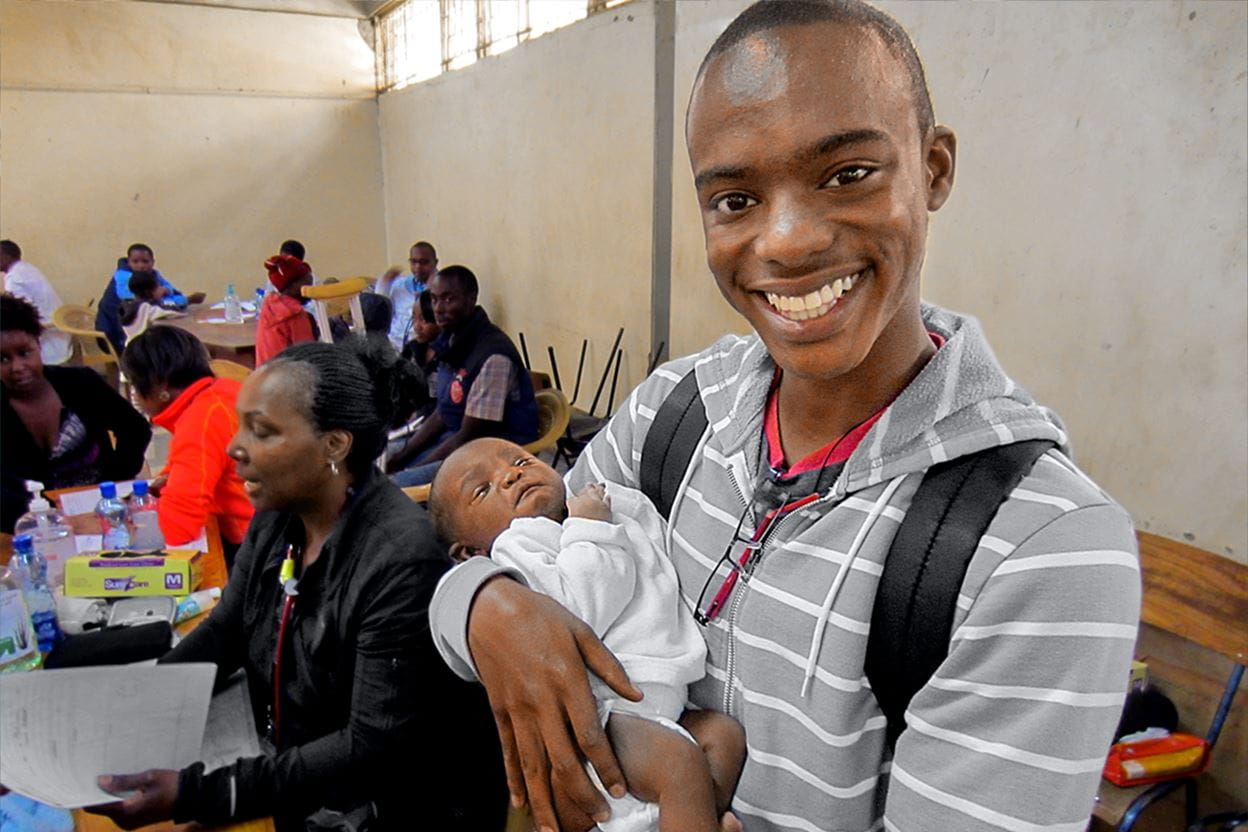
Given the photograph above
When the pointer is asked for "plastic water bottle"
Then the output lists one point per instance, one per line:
(53, 536)
(144, 522)
(260, 296)
(114, 517)
(233, 309)
(32, 571)
(19, 648)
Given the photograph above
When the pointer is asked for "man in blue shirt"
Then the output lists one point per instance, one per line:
(404, 289)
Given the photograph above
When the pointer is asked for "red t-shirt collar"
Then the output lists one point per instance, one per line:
(836, 451)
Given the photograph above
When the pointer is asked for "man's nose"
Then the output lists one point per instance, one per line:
(796, 233)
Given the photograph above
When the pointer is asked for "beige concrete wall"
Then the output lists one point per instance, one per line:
(1098, 229)
(533, 168)
(210, 134)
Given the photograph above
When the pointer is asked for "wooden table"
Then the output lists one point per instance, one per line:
(235, 342)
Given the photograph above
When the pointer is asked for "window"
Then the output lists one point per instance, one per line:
(418, 39)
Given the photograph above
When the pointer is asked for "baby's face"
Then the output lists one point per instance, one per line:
(490, 482)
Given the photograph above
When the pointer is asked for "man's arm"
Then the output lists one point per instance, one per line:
(1012, 730)
(423, 437)
(483, 411)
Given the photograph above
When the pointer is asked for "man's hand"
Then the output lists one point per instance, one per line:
(196, 297)
(155, 792)
(390, 275)
(592, 503)
(533, 657)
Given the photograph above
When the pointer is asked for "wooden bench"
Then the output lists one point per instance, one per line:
(1194, 636)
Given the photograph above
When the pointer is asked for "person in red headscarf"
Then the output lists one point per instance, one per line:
(283, 320)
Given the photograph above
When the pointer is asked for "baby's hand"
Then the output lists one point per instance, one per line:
(591, 503)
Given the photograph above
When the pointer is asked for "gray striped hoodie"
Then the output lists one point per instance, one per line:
(1011, 732)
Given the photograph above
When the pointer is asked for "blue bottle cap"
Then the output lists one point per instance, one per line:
(108, 490)
(140, 488)
(23, 544)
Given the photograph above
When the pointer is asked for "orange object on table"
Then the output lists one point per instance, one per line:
(1153, 760)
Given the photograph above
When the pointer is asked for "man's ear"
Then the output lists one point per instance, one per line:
(941, 160)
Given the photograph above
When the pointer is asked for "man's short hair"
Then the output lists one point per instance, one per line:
(462, 276)
(773, 14)
(140, 247)
(429, 246)
(294, 248)
(10, 249)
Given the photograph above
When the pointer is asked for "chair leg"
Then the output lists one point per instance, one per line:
(1148, 798)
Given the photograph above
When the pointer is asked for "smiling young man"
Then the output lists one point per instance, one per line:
(816, 160)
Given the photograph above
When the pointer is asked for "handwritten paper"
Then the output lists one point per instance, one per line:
(61, 729)
(231, 731)
(83, 502)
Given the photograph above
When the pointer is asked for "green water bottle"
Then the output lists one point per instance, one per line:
(19, 649)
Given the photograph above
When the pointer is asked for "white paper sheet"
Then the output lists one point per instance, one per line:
(83, 502)
(61, 729)
(231, 730)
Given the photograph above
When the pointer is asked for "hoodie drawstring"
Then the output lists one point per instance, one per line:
(821, 625)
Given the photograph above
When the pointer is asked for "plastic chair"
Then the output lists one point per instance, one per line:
(93, 345)
(553, 413)
(324, 294)
(224, 368)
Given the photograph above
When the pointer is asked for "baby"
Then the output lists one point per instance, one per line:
(145, 308)
(600, 554)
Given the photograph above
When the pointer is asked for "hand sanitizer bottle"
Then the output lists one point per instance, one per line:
(53, 536)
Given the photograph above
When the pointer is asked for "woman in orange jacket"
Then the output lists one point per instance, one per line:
(174, 384)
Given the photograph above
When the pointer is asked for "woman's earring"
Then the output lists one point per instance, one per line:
(333, 467)
(164, 395)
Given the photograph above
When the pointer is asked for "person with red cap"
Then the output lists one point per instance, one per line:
(283, 320)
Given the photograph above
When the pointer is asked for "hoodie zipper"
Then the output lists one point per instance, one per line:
(744, 585)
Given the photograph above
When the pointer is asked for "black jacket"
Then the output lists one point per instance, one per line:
(369, 710)
(101, 409)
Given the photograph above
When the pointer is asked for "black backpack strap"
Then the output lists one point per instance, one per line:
(918, 592)
(668, 449)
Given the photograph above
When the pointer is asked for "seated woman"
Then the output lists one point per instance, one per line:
(168, 368)
(57, 420)
(283, 320)
(425, 331)
(366, 715)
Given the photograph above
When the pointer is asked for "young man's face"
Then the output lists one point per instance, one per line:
(491, 482)
(423, 263)
(814, 186)
(452, 303)
(140, 260)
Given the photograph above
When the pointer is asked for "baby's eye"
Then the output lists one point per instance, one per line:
(524, 460)
(480, 491)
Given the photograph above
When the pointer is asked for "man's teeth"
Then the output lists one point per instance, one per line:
(814, 304)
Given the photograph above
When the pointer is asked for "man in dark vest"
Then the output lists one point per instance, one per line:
(483, 388)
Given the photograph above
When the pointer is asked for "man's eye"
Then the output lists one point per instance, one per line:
(732, 203)
(848, 176)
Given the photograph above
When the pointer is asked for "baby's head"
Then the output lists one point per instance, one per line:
(144, 285)
(486, 484)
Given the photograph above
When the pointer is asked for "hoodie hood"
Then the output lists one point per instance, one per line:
(960, 403)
